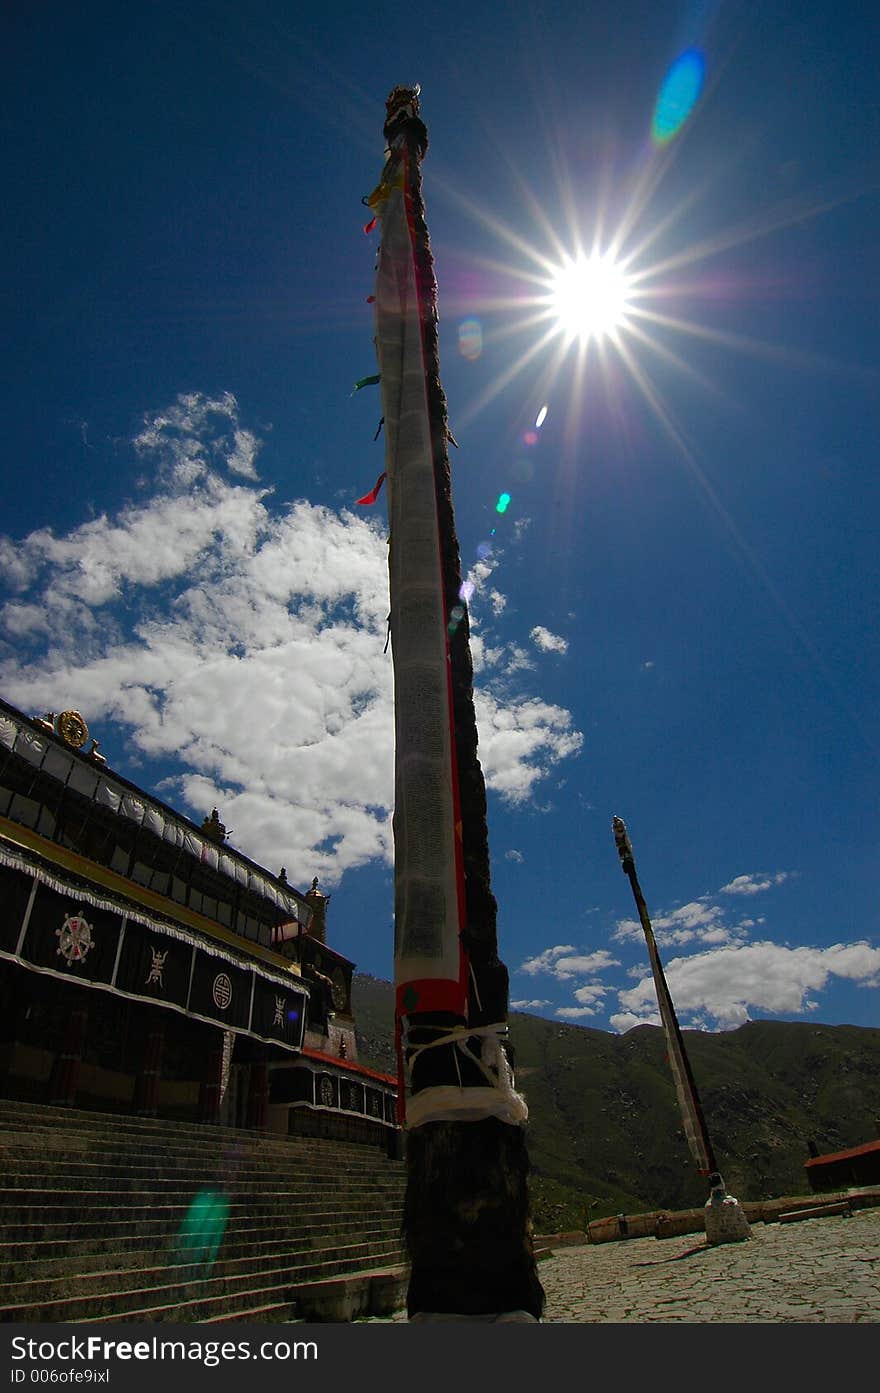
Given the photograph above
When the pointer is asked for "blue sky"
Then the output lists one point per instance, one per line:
(673, 620)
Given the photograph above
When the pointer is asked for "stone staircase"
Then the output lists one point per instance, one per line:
(113, 1218)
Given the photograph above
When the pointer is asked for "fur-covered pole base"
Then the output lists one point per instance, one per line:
(725, 1220)
(466, 1222)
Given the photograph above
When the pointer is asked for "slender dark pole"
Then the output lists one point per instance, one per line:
(689, 1102)
(466, 1212)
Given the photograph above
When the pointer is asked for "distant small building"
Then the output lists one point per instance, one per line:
(842, 1170)
(146, 966)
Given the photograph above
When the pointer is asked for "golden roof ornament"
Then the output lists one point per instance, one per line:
(213, 830)
(72, 728)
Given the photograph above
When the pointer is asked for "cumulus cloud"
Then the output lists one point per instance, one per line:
(564, 962)
(547, 642)
(753, 884)
(724, 984)
(514, 855)
(521, 739)
(536, 1005)
(240, 647)
(197, 433)
(700, 921)
(723, 979)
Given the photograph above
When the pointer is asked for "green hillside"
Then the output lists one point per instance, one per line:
(604, 1127)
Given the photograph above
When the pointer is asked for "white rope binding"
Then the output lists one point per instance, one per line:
(446, 1103)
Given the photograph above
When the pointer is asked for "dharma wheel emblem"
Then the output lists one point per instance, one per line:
(74, 939)
(221, 991)
(73, 729)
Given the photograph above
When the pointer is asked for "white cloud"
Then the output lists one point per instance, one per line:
(544, 962)
(700, 921)
(753, 884)
(240, 647)
(514, 855)
(573, 1013)
(521, 740)
(498, 602)
(196, 433)
(536, 1005)
(591, 993)
(563, 962)
(546, 641)
(725, 983)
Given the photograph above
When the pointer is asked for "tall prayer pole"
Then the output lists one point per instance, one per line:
(685, 1088)
(724, 1217)
(466, 1221)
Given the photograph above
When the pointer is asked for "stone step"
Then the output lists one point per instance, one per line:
(123, 1182)
(94, 1206)
(45, 1258)
(192, 1298)
(34, 1117)
(56, 1223)
(374, 1293)
(20, 1158)
(121, 1227)
(351, 1297)
(81, 1284)
(57, 1203)
(97, 1130)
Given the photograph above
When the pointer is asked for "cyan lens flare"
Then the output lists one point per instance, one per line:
(503, 503)
(456, 614)
(470, 339)
(201, 1232)
(679, 94)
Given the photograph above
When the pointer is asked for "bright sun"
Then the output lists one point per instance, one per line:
(589, 297)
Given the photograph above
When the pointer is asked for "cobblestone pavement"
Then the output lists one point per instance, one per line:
(819, 1270)
(823, 1270)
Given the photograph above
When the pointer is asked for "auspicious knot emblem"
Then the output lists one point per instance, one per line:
(222, 991)
(280, 1004)
(155, 973)
(74, 939)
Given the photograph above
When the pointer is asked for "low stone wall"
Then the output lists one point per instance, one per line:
(663, 1223)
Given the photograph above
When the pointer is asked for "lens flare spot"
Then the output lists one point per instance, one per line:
(466, 592)
(541, 417)
(456, 614)
(202, 1230)
(503, 503)
(470, 339)
(484, 550)
(679, 94)
(523, 471)
(530, 437)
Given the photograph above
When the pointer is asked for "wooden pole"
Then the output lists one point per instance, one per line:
(466, 1220)
(689, 1101)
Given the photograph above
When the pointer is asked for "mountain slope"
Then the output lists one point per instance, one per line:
(604, 1128)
